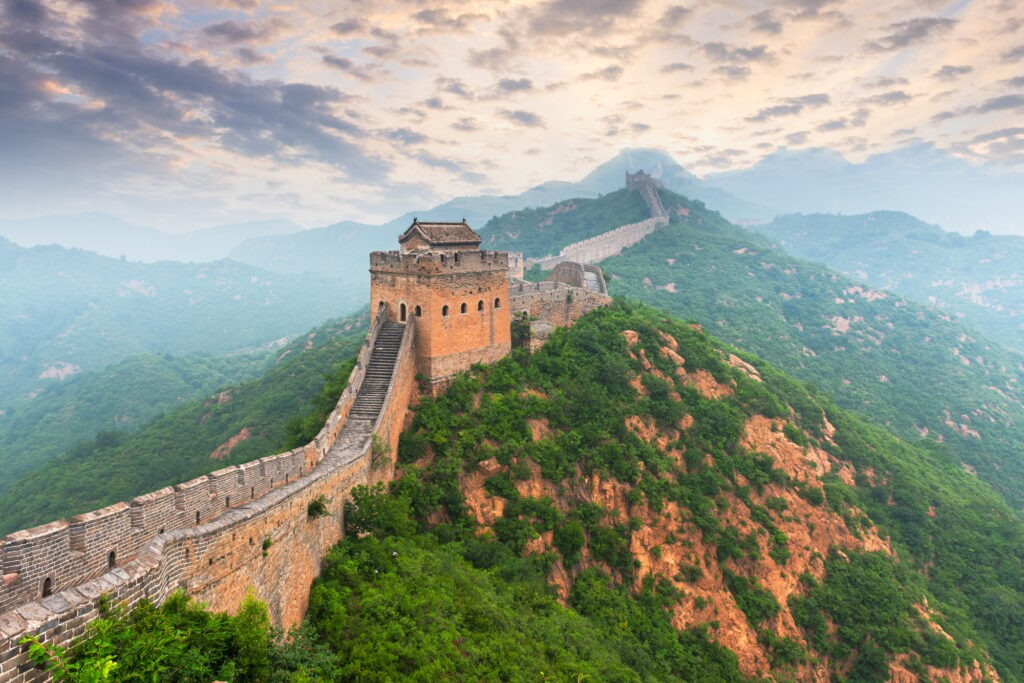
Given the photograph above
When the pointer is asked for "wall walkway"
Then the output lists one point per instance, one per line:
(219, 536)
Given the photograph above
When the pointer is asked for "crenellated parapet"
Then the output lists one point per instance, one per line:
(439, 263)
(216, 537)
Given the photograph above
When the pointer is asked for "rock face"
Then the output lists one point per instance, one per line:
(666, 542)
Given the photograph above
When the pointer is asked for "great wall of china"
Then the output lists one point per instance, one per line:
(612, 242)
(247, 527)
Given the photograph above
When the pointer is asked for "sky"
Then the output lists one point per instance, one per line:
(183, 114)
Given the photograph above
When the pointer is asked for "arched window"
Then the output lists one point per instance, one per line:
(197, 517)
(161, 531)
(462, 308)
(379, 304)
(111, 560)
(401, 313)
(419, 311)
(252, 491)
(227, 501)
(480, 305)
(47, 587)
(497, 303)
(443, 259)
(444, 311)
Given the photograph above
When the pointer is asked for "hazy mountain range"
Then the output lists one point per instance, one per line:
(110, 236)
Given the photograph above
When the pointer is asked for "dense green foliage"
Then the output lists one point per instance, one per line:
(540, 232)
(902, 365)
(120, 397)
(270, 411)
(946, 524)
(67, 308)
(418, 590)
(179, 641)
(976, 278)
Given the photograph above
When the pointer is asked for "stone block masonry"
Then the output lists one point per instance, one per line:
(216, 537)
(246, 528)
(612, 242)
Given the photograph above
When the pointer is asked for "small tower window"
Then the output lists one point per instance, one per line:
(480, 305)
(444, 311)
(111, 560)
(402, 312)
(419, 311)
(497, 303)
(462, 309)
(197, 517)
(47, 587)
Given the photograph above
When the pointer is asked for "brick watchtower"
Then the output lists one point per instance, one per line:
(455, 294)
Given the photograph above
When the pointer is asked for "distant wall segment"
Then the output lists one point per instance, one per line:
(216, 537)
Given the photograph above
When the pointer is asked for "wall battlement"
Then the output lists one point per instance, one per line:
(216, 537)
(438, 263)
(246, 527)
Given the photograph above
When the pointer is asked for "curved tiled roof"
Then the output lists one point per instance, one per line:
(440, 234)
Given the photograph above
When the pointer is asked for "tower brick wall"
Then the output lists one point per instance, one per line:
(458, 302)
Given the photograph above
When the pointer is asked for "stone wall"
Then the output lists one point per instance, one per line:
(217, 537)
(552, 304)
(605, 245)
(457, 301)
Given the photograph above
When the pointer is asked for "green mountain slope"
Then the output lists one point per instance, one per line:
(903, 365)
(65, 311)
(239, 423)
(120, 397)
(978, 279)
(536, 233)
(698, 514)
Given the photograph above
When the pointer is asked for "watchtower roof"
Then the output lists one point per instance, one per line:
(442, 235)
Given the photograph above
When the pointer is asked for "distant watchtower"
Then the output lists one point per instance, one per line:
(455, 294)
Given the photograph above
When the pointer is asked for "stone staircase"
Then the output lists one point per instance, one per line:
(374, 389)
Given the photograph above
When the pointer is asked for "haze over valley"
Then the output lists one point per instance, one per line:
(549, 340)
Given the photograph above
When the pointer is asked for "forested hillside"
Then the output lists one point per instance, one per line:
(543, 232)
(120, 398)
(978, 279)
(236, 424)
(646, 504)
(65, 311)
(903, 365)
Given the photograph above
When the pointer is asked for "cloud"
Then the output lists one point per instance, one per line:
(887, 82)
(466, 125)
(1000, 103)
(453, 86)
(951, 73)
(790, 107)
(722, 52)
(1015, 82)
(364, 72)
(248, 56)
(675, 67)
(766, 22)
(522, 118)
(562, 17)
(609, 73)
(904, 34)
(510, 85)
(441, 19)
(797, 138)
(856, 120)
(405, 136)
(732, 72)
(888, 98)
(675, 15)
(28, 12)
(348, 27)
(1014, 55)
(244, 31)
